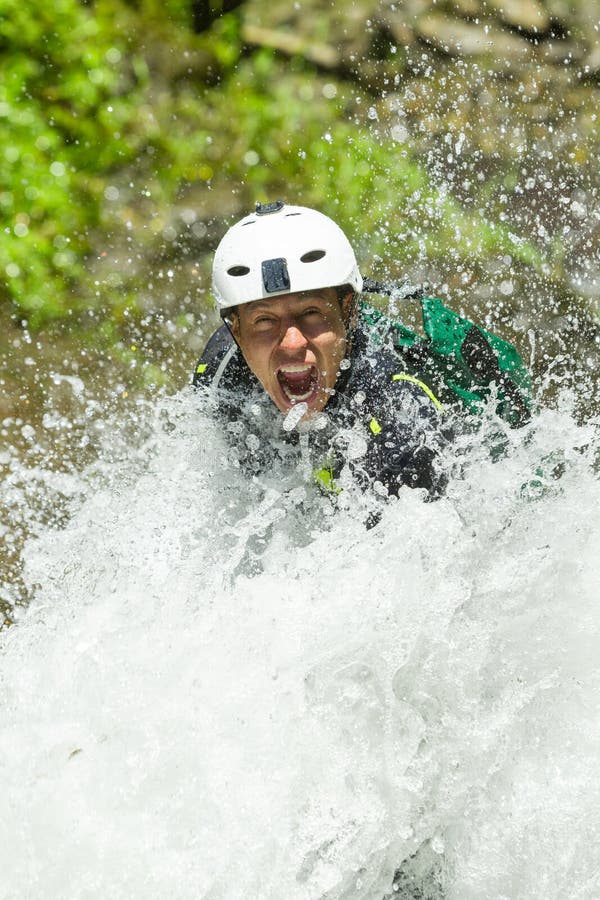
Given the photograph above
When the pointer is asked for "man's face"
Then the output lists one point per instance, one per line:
(294, 345)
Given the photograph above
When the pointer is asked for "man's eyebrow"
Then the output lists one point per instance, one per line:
(310, 297)
(258, 305)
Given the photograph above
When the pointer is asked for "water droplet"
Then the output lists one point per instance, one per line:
(251, 158)
(294, 416)
(113, 55)
(399, 133)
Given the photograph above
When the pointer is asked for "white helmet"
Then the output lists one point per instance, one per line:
(281, 249)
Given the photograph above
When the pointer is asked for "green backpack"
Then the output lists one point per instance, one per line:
(463, 364)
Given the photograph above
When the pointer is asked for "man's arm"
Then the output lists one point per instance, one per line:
(408, 440)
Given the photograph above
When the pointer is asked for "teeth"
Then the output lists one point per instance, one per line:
(292, 370)
(297, 372)
(297, 398)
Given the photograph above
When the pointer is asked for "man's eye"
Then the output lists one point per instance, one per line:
(263, 320)
(312, 312)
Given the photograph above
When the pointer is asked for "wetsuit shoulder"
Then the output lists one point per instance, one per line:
(218, 346)
(224, 369)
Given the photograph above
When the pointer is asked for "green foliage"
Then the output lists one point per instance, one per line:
(112, 112)
(77, 111)
(60, 72)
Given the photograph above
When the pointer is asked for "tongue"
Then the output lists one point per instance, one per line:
(296, 382)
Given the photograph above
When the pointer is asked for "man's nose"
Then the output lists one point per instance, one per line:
(293, 339)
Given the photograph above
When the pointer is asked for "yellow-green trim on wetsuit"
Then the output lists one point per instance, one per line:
(403, 376)
(374, 426)
(324, 478)
(201, 369)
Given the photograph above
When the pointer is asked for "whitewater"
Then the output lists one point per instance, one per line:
(221, 690)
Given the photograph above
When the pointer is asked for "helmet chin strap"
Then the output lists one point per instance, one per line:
(227, 322)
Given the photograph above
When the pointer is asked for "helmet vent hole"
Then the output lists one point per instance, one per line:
(236, 271)
(312, 256)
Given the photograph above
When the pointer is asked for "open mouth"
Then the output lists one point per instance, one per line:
(299, 383)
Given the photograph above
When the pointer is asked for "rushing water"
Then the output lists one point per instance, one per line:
(216, 689)
(220, 690)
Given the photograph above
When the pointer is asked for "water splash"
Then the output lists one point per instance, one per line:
(221, 692)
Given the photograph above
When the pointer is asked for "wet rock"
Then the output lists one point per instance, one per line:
(525, 15)
(590, 66)
(356, 37)
(466, 8)
(459, 38)
(398, 25)
(358, 33)
(577, 20)
(560, 8)
(561, 52)
(379, 77)
(271, 15)
(347, 24)
(408, 10)
(323, 55)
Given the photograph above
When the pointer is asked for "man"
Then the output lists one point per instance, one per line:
(297, 374)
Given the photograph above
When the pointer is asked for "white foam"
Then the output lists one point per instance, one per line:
(215, 696)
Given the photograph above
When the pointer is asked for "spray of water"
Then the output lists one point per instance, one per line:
(221, 690)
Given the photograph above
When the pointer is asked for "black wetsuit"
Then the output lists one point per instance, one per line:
(381, 427)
